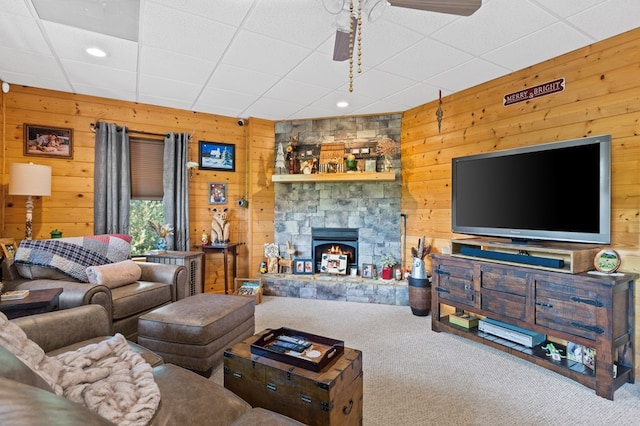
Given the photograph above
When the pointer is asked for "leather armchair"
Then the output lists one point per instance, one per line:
(187, 398)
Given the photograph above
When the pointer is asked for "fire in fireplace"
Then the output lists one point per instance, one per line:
(335, 241)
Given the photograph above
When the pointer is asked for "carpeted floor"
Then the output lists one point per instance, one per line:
(413, 376)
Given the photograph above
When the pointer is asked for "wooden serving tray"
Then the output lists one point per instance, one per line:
(329, 349)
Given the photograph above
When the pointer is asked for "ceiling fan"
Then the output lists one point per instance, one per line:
(373, 9)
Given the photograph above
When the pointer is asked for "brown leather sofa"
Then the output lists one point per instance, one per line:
(186, 397)
(158, 285)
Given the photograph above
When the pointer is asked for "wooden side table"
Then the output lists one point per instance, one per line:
(226, 250)
(37, 302)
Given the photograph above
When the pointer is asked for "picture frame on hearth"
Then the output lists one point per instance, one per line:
(368, 270)
(303, 267)
(333, 263)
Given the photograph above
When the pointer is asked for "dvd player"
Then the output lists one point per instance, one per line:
(510, 332)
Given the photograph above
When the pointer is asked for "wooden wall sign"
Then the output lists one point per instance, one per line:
(529, 93)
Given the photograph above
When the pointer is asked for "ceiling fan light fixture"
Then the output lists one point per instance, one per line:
(333, 6)
(374, 9)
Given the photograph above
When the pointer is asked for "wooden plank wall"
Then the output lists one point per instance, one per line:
(70, 207)
(602, 96)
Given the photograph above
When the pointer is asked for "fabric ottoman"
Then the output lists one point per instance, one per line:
(194, 332)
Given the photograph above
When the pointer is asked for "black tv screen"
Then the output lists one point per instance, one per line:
(558, 191)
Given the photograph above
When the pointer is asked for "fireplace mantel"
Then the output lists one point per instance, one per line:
(336, 177)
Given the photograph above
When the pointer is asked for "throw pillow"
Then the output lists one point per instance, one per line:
(114, 274)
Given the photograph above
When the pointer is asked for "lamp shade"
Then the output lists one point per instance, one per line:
(29, 179)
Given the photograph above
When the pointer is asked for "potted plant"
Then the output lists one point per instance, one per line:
(387, 262)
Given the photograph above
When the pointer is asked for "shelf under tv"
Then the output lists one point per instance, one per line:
(569, 258)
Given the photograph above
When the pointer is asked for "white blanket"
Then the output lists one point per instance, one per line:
(106, 377)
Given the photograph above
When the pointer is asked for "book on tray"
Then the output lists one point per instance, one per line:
(464, 320)
(14, 295)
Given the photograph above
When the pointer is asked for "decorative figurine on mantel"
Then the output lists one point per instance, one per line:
(280, 158)
(272, 253)
(418, 270)
(219, 227)
(291, 155)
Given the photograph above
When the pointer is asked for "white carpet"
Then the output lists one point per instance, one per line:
(413, 376)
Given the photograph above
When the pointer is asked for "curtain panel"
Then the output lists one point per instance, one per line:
(112, 180)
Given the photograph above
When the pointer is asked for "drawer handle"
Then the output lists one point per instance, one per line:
(306, 399)
(442, 272)
(588, 302)
(468, 287)
(347, 409)
(237, 374)
(442, 290)
(591, 328)
(544, 305)
(271, 387)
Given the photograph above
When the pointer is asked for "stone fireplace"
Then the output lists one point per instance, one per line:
(335, 241)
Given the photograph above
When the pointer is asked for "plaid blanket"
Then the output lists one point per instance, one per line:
(73, 255)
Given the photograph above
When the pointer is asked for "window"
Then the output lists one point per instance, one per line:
(146, 193)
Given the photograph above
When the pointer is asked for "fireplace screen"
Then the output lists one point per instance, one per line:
(335, 242)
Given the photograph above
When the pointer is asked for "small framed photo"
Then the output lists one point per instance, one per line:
(355, 151)
(217, 156)
(217, 193)
(48, 141)
(8, 248)
(369, 270)
(303, 267)
(333, 263)
(364, 150)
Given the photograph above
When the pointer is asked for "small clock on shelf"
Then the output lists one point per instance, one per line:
(607, 261)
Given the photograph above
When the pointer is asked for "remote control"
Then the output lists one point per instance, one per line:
(290, 346)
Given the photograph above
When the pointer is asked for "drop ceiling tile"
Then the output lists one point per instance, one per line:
(241, 80)
(421, 22)
(493, 25)
(466, 75)
(16, 7)
(33, 64)
(174, 66)
(70, 44)
(383, 39)
(369, 84)
(168, 89)
(321, 70)
(84, 74)
(558, 39)
(567, 8)
(214, 97)
(424, 59)
(608, 18)
(254, 51)
(271, 109)
(303, 23)
(23, 33)
(416, 94)
(185, 33)
(170, 103)
(109, 92)
(229, 12)
(287, 89)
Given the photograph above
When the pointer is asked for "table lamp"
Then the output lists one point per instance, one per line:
(30, 180)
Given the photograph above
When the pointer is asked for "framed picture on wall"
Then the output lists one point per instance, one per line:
(369, 270)
(48, 141)
(7, 248)
(217, 156)
(217, 193)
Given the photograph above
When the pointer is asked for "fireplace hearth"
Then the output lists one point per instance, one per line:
(335, 241)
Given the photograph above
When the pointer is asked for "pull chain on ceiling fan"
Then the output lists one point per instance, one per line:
(349, 21)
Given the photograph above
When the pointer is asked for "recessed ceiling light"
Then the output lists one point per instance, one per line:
(342, 104)
(98, 53)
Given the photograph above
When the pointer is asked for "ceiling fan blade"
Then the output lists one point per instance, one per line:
(341, 51)
(454, 7)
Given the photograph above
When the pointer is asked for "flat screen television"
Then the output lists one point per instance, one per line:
(558, 191)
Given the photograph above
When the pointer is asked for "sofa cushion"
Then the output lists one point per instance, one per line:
(24, 405)
(137, 297)
(73, 255)
(114, 274)
(12, 368)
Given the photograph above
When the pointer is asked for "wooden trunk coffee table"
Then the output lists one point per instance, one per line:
(37, 302)
(331, 396)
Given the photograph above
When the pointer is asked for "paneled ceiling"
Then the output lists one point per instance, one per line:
(273, 58)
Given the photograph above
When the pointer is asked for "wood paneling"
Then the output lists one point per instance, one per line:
(602, 96)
